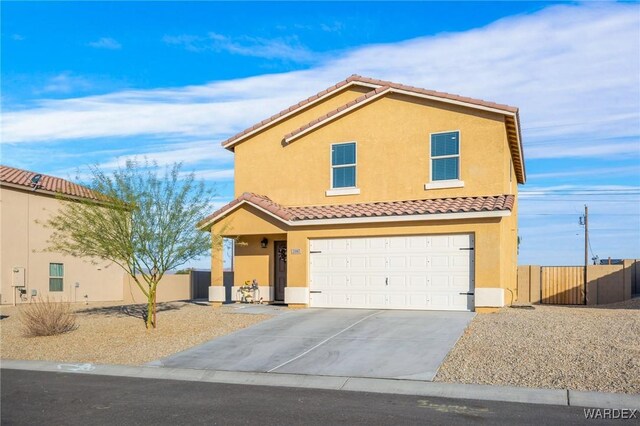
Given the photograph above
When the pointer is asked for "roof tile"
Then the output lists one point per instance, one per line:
(15, 176)
(378, 209)
(371, 81)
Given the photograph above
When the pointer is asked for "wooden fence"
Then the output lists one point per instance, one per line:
(562, 285)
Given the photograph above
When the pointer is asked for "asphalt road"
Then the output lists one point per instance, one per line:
(30, 397)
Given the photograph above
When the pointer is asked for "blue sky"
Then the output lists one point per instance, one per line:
(86, 83)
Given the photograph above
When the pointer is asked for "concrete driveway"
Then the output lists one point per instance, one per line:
(335, 342)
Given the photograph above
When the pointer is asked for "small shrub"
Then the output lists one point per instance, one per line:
(47, 318)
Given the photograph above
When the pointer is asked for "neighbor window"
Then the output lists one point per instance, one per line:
(56, 274)
(445, 156)
(343, 165)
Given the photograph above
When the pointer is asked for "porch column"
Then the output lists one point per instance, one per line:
(216, 290)
(296, 294)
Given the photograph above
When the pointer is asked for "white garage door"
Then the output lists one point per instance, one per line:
(410, 272)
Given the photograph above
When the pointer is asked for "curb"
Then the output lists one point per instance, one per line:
(563, 397)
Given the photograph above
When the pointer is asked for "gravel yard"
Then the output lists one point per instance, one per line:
(590, 349)
(113, 334)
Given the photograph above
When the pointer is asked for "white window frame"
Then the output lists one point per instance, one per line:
(448, 183)
(347, 190)
(62, 277)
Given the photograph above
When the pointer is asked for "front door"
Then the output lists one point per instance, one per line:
(280, 270)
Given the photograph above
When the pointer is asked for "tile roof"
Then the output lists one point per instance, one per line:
(434, 93)
(286, 111)
(512, 119)
(19, 177)
(368, 82)
(364, 210)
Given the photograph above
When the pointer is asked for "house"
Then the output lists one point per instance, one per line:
(373, 194)
(29, 272)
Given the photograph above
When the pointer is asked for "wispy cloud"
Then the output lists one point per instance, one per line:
(576, 81)
(289, 48)
(187, 153)
(65, 82)
(332, 27)
(105, 43)
(17, 37)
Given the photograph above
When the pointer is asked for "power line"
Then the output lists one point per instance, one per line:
(629, 189)
(573, 214)
(583, 200)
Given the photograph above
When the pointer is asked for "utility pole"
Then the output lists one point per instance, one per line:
(586, 249)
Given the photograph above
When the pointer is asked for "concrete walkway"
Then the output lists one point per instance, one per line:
(334, 342)
(385, 386)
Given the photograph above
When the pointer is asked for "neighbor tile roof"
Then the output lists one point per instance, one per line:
(367, 81)
(384, 208)
(22, 178)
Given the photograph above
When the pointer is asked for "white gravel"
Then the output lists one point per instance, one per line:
(580, 348)
(112, 334)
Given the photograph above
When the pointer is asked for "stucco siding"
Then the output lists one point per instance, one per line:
(24, 240)
(493, 259)
(393, 154)
(250, 165)
(393, 162)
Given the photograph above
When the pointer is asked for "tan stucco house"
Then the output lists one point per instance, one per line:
(28, 272)
(373, 194)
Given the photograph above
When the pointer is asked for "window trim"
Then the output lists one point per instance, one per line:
(61, 277)
(343, 190)
(445, 183)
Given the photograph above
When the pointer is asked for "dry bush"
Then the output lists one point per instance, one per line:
(47, 318)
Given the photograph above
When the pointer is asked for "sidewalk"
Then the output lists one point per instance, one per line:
(565, 397)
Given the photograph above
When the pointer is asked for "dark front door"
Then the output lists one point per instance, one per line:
(280, 269)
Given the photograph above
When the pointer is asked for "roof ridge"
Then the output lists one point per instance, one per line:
(302, 103)
(445, 95)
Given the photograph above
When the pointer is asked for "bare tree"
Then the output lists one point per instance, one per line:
(143, 219)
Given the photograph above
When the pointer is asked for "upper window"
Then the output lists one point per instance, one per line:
(445, 156)
(343, 165)
(56, 274)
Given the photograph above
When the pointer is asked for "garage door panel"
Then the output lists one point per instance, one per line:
(460, 241)
(461, 281)
(417, 282)
(439, 281)
(358, 244)
(358, 262)
(338, 281)
(376, 244)
(460, 262)
(411, 272)
(418, 262)
(417, 243)
(397, 262)
(397, 282)
(377, 262)
(439, 262)
(377, 282)
(439, 242)
(397, 244)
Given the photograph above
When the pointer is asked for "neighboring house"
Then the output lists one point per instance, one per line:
(28, 272)
(373, 194)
